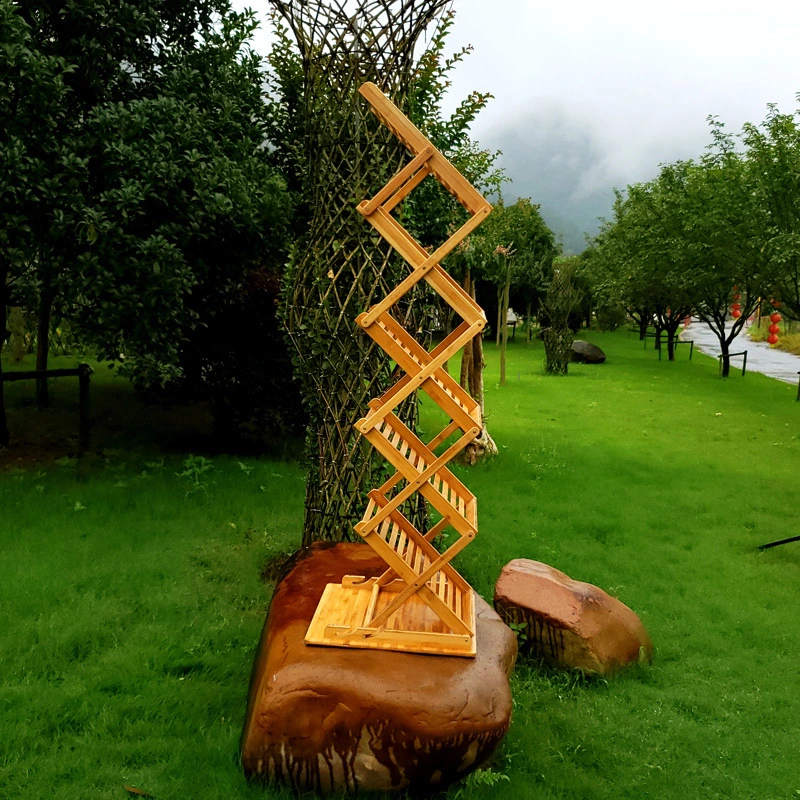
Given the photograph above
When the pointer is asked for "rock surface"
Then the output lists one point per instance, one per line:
(346, 719)
(587, 353)
(569, 623)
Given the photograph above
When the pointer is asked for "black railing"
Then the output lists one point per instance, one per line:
(734, 355)
(690, 342)
(82, 373)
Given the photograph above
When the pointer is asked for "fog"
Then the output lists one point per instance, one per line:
(591, 96)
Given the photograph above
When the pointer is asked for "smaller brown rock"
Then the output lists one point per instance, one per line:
(569, 623)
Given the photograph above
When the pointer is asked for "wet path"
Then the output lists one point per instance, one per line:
(760, 356)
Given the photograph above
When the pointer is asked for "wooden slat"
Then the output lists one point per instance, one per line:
(370, 612)
(415, 255)
(415, 140)
(368, 206)
(417, 380)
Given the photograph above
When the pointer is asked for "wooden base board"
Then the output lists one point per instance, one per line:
(415, 628)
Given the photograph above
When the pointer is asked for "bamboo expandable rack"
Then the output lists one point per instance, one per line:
(420, 603)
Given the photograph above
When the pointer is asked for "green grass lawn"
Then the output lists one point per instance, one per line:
(132, 600)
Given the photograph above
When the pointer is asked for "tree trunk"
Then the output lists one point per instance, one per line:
(726, 361)
(643, 322)
(475, 387)
(504, 323)
(528, 318)
(4, 435)
(557, 349)
(466, 366)
(671, 344)
(499, 315)
(339, 269)
(466, 353)
(672, 335)
(43, 347)
(483, 445)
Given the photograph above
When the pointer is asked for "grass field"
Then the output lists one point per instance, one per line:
(132, 596)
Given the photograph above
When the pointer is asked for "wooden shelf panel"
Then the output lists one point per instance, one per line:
(411, 357)
(390, 532)
(409, 455)
(414, 629)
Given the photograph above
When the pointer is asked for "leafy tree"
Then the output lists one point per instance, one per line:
(691, 239)
(640, 249)
(32, 92)
(160, 197)
(722, 248)
(518, 250)
(773, 162)
(431, 213)
(600, 279)
(116, 52)
(185, 204)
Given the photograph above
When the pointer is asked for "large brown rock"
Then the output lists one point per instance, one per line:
(569, 623)
(334, 718)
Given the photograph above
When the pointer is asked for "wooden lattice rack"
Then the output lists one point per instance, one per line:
(420, 603)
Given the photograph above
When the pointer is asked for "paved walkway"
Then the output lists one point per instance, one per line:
(760, 356)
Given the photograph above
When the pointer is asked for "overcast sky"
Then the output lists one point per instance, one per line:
(594, 95)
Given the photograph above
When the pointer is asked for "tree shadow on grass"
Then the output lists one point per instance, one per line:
(121, 419)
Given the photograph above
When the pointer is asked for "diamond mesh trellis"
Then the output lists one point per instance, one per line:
(557, 335)
(340, 266)
(420, 603)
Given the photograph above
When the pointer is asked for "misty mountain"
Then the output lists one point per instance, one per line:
(560, 164)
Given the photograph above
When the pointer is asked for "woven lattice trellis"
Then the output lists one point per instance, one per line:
(556, 334)
(340, 267)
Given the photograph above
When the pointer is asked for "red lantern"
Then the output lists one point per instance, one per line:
(776, 317)
(737, 306)
(772, 338)
(735, 288)
(737, 296)
(736, 313)
(774, 328)
(775, 303)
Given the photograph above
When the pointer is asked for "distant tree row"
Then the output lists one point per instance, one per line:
(705, 234)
